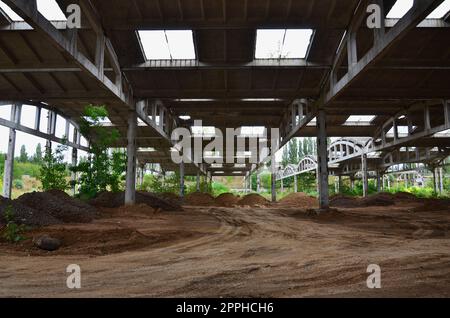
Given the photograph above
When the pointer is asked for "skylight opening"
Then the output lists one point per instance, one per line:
(51, 10)
(185, 117)
(168, 44)
(360, 120)
(282, 43)
(10, 13)
(440, 11)
(400, 8)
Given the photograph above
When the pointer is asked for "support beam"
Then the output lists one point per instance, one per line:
(441, 180)
(295, 184)
(322, 160)
(258, 183)
(74, 161)
(182, 192)
(365, 179)
(9, 160)
(273, 189)
(130, 191)
(198, 182)
(379, 182)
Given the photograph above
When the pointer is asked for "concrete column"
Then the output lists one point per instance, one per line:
(282, 185)
(295, 184)
(273, 181)
(406, 181)
(74, 162)
(365, 179)
(322, 160)
(352, 183)
(198, 182)
(340, 184)
(435, 181)
(441, 180)
(379, 182)
(258, 183)
(9, 160)
(51, 123)
(182, 179)
(130, 190)
(389, 183)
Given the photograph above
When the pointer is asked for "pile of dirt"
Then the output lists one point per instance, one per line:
(143, 209)
(200, 199)
(299, 200)
(169, 196)
(253, 200)
(25, 215)
(344, 201)
(227, 200)
(433, 205)
(405, 197)
(117, 199)
(59, 205)
(379, 199)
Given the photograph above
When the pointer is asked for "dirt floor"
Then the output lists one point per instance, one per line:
(273, 251)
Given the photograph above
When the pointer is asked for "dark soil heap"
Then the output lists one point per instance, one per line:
(200, 199)
(299, 200)
(253, 200)
(227, 200)
(116, 200)
(59, 205)
(25, 215)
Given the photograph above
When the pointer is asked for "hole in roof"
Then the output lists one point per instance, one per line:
(9, 12)
(167, 44)
(50, 10)
(440, 11)
(360, 120)
(282, 43)
(400, 8)
(185, 117)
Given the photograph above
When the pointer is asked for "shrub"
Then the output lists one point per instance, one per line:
(18, 184)
(12, 232)
(54, 170)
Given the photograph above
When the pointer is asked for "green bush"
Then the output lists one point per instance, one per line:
(12, 232)
(18, 184)
(54, 170)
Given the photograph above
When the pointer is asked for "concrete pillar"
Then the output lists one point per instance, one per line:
(379, 182)
(295, 184)
(130, 190)
(435, 181)
(389, 183)
(74, 162)
(339, 184)
(51, 126)
(406, 181)
(441, 180)
(182, 179)
(197, 187)
(322, 160)
(258, 183)
(282, 185)
(9, 160)
(273, 179)
(352, 183)
(365, 179)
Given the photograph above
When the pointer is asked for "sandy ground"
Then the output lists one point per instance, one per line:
(239, 252)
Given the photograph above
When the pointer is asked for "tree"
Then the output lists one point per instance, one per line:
(54, 170)
(100, 171)
(305, 147)
(293, 151)
(285, 157)
(38, 154)
(301, 155)
(23, 154)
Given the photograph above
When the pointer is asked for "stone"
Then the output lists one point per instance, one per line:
(47, 243)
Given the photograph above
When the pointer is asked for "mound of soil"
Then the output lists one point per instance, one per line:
(433, 205)
(116, 200)
(379, 199)
(405, 197)
(25, 215)
(136, 209)
(344, 201)
(227, 200)
(300, 200)
(253, 200)
(200, 199)
(59, 205)
(169, 196)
